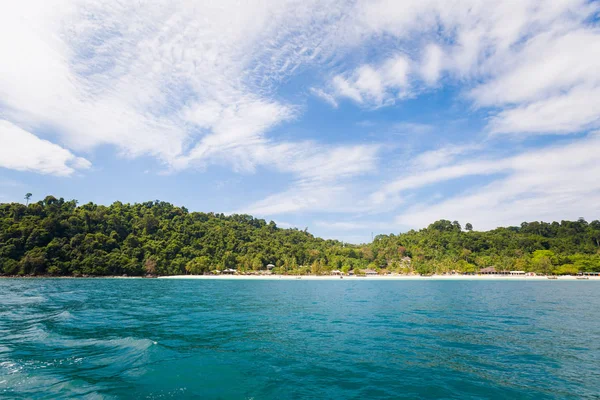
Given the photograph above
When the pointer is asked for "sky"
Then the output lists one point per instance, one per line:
(346, 117)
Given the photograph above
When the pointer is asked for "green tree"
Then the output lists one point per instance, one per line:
(198, 265)
(541, 261)
(54, 236)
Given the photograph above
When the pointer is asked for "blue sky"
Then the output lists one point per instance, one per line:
(346, 117)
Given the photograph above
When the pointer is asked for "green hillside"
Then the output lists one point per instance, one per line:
(58, 237)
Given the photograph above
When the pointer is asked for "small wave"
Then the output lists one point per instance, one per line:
(68, 342)
(128, 342)
(11, 300)
(23, 380)
(33, 333)
(64, 316)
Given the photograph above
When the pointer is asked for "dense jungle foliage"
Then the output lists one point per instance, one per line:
(58, 237)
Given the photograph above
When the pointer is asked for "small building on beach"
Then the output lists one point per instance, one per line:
(229, 271)
(492, 271)
(336, 272)
(270, 267)
(370, 272)
(517, 272)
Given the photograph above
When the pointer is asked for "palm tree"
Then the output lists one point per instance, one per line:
(27, 197)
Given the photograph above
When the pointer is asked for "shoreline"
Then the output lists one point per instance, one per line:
(328, 277)
(75, 277)
(382, 277)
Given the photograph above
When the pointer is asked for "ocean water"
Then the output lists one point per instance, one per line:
(162, 339)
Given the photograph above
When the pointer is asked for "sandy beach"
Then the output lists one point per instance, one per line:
(383, 277)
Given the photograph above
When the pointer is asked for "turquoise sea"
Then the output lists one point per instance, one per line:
(161, 339)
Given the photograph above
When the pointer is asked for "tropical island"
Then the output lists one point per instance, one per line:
(54, 237)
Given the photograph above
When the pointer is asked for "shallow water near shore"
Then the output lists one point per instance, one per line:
(239, 339)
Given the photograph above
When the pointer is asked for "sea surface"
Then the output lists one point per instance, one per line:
(163, 339)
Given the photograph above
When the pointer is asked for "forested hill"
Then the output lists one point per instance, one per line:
(58, 237)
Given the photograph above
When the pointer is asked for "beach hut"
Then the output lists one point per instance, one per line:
(270, 266)
(488, 271)
(370, 272)
(517, 272)
(351, 272)
(229, 271)
(336, 272)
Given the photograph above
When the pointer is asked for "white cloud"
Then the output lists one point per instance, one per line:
(344, 88)
(165, 79)
(574, 111)
(558, 182)
(511, 56)
(374, 86)
(432, 64)
(23, 151)
(550, 85)
(442, 156)
(301, 198)
(162, 79)
(328, 163)
(237, 132)
(526, 59)
(391, 190)
(322, 181)
(325, 96)
(547, 65)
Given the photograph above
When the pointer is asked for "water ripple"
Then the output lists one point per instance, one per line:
(156, 339)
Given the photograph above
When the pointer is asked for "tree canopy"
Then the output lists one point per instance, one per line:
(58, 237)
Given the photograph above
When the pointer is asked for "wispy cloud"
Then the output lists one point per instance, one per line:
(551, 183)
(535, 65)
(163, 79)
(166, 80)
(327, 97)
(323, 178)
(372, 86)
(441, 156)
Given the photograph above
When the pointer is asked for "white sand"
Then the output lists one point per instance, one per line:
(382, 278)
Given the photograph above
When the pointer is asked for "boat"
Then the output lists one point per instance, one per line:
(583, 277)
(553, 277)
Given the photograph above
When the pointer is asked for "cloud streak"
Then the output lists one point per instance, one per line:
(551, 183)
